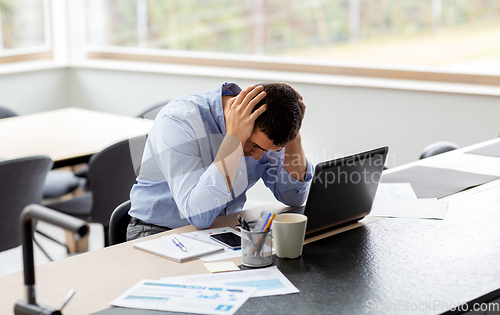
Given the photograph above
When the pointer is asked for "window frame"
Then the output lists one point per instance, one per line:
(21, 55)
(68, 45)
(32, 53)
(299, 66)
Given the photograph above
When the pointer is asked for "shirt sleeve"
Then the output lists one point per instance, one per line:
(285, 188)
(197, 186)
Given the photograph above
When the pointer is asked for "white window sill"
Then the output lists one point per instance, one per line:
(255, 75)
(295, 77)
(29, 66)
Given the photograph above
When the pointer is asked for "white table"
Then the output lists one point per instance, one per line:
(69, 136)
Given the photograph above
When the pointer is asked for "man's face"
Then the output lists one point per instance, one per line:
(257, 144)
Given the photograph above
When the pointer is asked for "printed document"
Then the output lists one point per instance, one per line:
(192, 298)
(268, 281)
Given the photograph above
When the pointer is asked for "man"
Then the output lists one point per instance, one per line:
(204, 151)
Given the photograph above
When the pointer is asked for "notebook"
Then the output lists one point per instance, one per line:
(342, 191)
(165, 247)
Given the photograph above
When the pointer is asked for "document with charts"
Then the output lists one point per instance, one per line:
(268, 281)
(193, 298)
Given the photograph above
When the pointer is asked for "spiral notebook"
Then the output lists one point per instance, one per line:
(165, 247)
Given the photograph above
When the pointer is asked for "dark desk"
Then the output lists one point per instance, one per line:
(387, 261)
(414, 264)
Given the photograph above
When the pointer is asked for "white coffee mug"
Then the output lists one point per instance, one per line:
(289, 230)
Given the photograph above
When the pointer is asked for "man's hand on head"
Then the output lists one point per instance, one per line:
(240, 120)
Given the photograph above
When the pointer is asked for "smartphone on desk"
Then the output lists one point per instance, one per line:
(228, 239)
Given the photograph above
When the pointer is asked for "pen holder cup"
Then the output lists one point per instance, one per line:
(256, 248)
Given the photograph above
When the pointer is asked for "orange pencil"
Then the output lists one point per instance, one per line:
(269, 222)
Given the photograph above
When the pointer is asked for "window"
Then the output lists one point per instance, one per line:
(453, 35)
(24, 29)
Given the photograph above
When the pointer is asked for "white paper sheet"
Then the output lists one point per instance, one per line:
(193, 298)
(396, 191)
(204, 235)
(491, 193)
(426, 208)
(268, 281)
(398, 200)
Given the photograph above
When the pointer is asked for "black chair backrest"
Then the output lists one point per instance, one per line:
(118, 224)
(6, 112)
(152, 111)
(112, 174)
(438, 148)
(21, 184)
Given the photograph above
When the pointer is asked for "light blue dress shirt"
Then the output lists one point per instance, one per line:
(179, 184)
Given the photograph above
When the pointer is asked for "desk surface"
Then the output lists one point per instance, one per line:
(390, 260)
(418, 265)
(67, 133)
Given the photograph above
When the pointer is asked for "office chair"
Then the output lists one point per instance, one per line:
(111, 176)
(149, 113)
(118, 224)
(21, 184)
(438, 148)
(152, 111)
(6, 112)
(57, 183)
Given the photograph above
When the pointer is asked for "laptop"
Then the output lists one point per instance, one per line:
(342, 191)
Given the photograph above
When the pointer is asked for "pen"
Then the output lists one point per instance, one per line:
(178, 243)
(243, 223)
(268, 224)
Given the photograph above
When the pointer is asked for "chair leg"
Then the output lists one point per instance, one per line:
(43, 250)
(53, 240)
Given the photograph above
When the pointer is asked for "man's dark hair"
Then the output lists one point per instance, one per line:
(283, 117)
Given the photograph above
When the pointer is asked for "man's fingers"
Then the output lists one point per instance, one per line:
(254, 102)
(301, 99)
(258, 112)
(301, 102)
(303, 108)
(251, 95)
(243, 94)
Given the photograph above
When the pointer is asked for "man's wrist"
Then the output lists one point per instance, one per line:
(239, 136)
(296, 141)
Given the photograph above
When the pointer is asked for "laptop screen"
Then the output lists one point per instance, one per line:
(343, 190)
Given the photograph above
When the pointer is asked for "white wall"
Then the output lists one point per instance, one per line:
(339, 120)
(35, 91)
